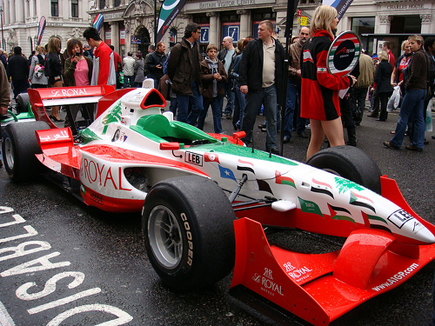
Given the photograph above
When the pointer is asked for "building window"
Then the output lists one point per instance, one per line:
(406, 24)
(55, 8)
(117, 3)
(263, 14)
(74, 8)
(102, 4)
(363, 25)
(307, 1)
(28, 6)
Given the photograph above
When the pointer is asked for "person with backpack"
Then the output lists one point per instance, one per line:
(37, 76)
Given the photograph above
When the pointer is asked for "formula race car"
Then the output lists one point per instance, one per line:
(206, 200)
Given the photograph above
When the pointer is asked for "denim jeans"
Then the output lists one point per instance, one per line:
(412, 109)
(239, 106)
(360, 95)
(128, 81)
(173, 106)
(229, 94)
(290, 106)
(216, 108)
(183, 106)
(267, 97)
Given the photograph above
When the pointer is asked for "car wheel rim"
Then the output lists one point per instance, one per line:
(165, 237)
(8, 153)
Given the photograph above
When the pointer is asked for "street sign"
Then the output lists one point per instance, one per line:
(343, 54)
(231, 29)
(205, 34)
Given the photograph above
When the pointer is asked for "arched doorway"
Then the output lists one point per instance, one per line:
(142, 39)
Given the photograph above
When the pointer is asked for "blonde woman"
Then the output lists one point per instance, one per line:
(54, 67)
(397, 77)
(382, 86)
(319, 88)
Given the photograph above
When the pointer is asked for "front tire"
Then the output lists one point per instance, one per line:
(22, 102)
(19, 147)
(350, 163)
(188, 229)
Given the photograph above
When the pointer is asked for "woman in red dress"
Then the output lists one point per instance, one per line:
(319, 92)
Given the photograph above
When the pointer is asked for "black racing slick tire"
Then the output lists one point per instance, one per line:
(350, 163)
(22, 102)
(19, 147)
(189, 234)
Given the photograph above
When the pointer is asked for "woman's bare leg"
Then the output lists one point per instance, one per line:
(317, 138)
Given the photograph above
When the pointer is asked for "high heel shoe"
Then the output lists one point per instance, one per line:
(53, 118)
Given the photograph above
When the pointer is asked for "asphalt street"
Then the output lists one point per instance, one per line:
(87, 267)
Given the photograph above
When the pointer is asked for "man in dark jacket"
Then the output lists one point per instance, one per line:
(261, 73)
(184, 72)
(18, 70)
(155, 63)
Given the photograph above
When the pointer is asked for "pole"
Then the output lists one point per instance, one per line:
(284, 92)
(291, 9)
(155, 22)
(1, 19)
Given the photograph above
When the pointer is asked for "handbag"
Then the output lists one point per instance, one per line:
(428, 119)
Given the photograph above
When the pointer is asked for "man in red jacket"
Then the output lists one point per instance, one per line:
(104, 64)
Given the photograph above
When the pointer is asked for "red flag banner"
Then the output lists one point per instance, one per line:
(41, 28)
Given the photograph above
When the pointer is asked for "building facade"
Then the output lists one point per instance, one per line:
(129, 25)
(20, 20)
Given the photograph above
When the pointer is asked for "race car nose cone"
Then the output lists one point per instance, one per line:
(424, 235)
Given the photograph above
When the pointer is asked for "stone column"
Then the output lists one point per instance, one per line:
(427, 26)
(128, 35)
(114, 31)
(110, 3)
(382, 24)
(214, 28)
(245, 23)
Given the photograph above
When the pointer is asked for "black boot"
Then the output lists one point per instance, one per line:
(351, 136)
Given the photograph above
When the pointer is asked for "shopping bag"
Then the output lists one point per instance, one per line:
(393, 102)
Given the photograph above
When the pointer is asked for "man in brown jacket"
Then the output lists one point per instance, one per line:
(365, 79)
(184, 72)
(5, 96)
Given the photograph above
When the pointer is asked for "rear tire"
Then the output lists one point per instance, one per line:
(351, 163)
(19, 147)
(189, 234)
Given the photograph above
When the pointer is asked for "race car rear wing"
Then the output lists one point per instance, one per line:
(40, 98)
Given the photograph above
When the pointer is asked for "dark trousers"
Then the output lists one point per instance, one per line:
(20, 86)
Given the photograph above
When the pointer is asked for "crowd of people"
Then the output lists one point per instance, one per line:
(250, 77)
